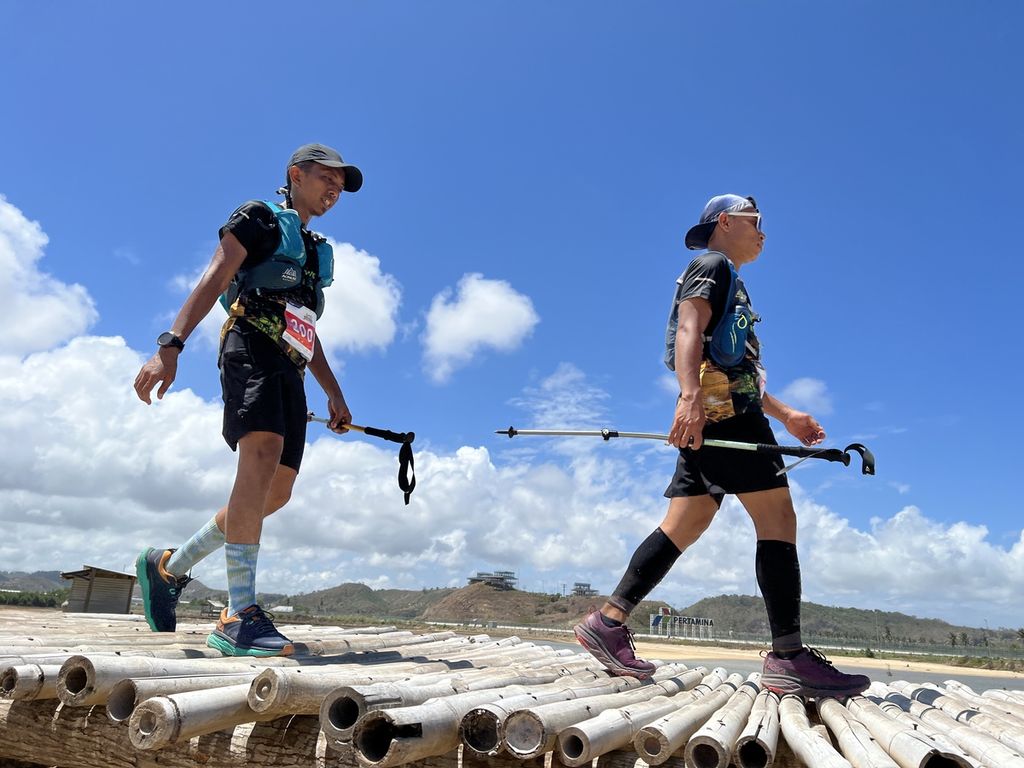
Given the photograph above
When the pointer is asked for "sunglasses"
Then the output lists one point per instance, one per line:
(756, 215)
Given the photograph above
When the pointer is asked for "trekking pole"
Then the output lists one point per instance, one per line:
(804, 452)
(406, 462)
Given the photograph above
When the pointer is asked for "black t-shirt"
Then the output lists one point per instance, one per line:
(727, 391)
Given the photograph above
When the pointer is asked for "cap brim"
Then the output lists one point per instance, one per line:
(698, 235)
(353, 176)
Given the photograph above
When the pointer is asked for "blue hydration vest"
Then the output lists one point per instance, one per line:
(284, 269)
(727, 343)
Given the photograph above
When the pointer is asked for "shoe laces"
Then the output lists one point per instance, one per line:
(819, 657)
(260, 619)
(627, 635)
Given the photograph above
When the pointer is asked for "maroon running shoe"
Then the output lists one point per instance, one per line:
(809, 673)
(612, 646)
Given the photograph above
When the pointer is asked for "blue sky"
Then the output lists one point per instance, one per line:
(530, 171)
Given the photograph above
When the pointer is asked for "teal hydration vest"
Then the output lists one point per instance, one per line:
(284, 269)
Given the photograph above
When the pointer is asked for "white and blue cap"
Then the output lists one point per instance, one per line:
(699, 234)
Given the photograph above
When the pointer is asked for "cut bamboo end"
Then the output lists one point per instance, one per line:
(481, 733)
(525, 735)
(339, 713)
(75, 681)
(26, 682)
(153, 724)
(652, 746)
(374, 737)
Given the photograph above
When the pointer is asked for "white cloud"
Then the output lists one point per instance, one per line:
(362, 305)
(360, 313)
(809, 395)
(42, 310)
(482, 314)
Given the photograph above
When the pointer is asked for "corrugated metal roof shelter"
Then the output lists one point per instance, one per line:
(97, 590)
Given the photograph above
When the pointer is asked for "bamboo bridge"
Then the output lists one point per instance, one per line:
(102, 691)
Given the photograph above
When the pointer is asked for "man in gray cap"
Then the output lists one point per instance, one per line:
(711, 347)
(269, 272)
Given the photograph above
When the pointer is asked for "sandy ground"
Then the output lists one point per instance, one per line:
(671, 651)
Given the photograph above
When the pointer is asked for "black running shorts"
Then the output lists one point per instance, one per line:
(718, 471)
(262, 391)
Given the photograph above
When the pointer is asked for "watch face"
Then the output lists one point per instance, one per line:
(168, 339)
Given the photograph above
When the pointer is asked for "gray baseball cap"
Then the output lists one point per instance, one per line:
(320, 153)
(700, 232)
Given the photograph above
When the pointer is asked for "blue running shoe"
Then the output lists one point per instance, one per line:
(160, 590)
(250, 632)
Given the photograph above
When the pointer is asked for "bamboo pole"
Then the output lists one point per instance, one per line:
(658, 741)
(610, 730)
(301, 691)
(481, 730)
(342, 707)
(1010, 697)
(811, 746)
(164, 720)
(910, 747)
(896, 713)
(713, 744)
(855, 740)
(85, 681)
(757, 744)
(46, 733)
(985, 748)
(1007, 709)
(1005, 728)
(127, 694)
(22, 682)
(388, 737)
(532, 731)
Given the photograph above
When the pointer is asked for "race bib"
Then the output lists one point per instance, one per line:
(300, 329)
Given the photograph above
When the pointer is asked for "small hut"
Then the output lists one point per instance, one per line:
(97, 590)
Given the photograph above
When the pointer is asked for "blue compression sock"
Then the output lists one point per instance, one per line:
(241, 562)
(205, 541)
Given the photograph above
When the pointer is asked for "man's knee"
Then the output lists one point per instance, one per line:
(276, 500)
(260, 449)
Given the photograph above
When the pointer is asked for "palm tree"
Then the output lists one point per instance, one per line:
(1020, 633)
(952, 639)
(963, 639)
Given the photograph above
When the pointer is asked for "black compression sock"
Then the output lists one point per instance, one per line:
(648, 566)
(778, 575)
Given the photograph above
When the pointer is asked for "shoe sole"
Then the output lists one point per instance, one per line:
(589, 641)
(228, 648)
(142, 574)
(784, 685)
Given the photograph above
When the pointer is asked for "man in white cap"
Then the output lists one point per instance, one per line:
(269, 272)
(711, 346)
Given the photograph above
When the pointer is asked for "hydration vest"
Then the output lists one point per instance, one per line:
(284, 269)
(727, 343)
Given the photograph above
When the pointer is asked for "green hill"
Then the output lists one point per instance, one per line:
(746, 615)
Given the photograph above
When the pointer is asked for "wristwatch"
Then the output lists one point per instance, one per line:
(168, 339)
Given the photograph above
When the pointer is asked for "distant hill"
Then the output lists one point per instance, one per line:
(360, 600)
(39, 581)
(486, 603)
(745, 614)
